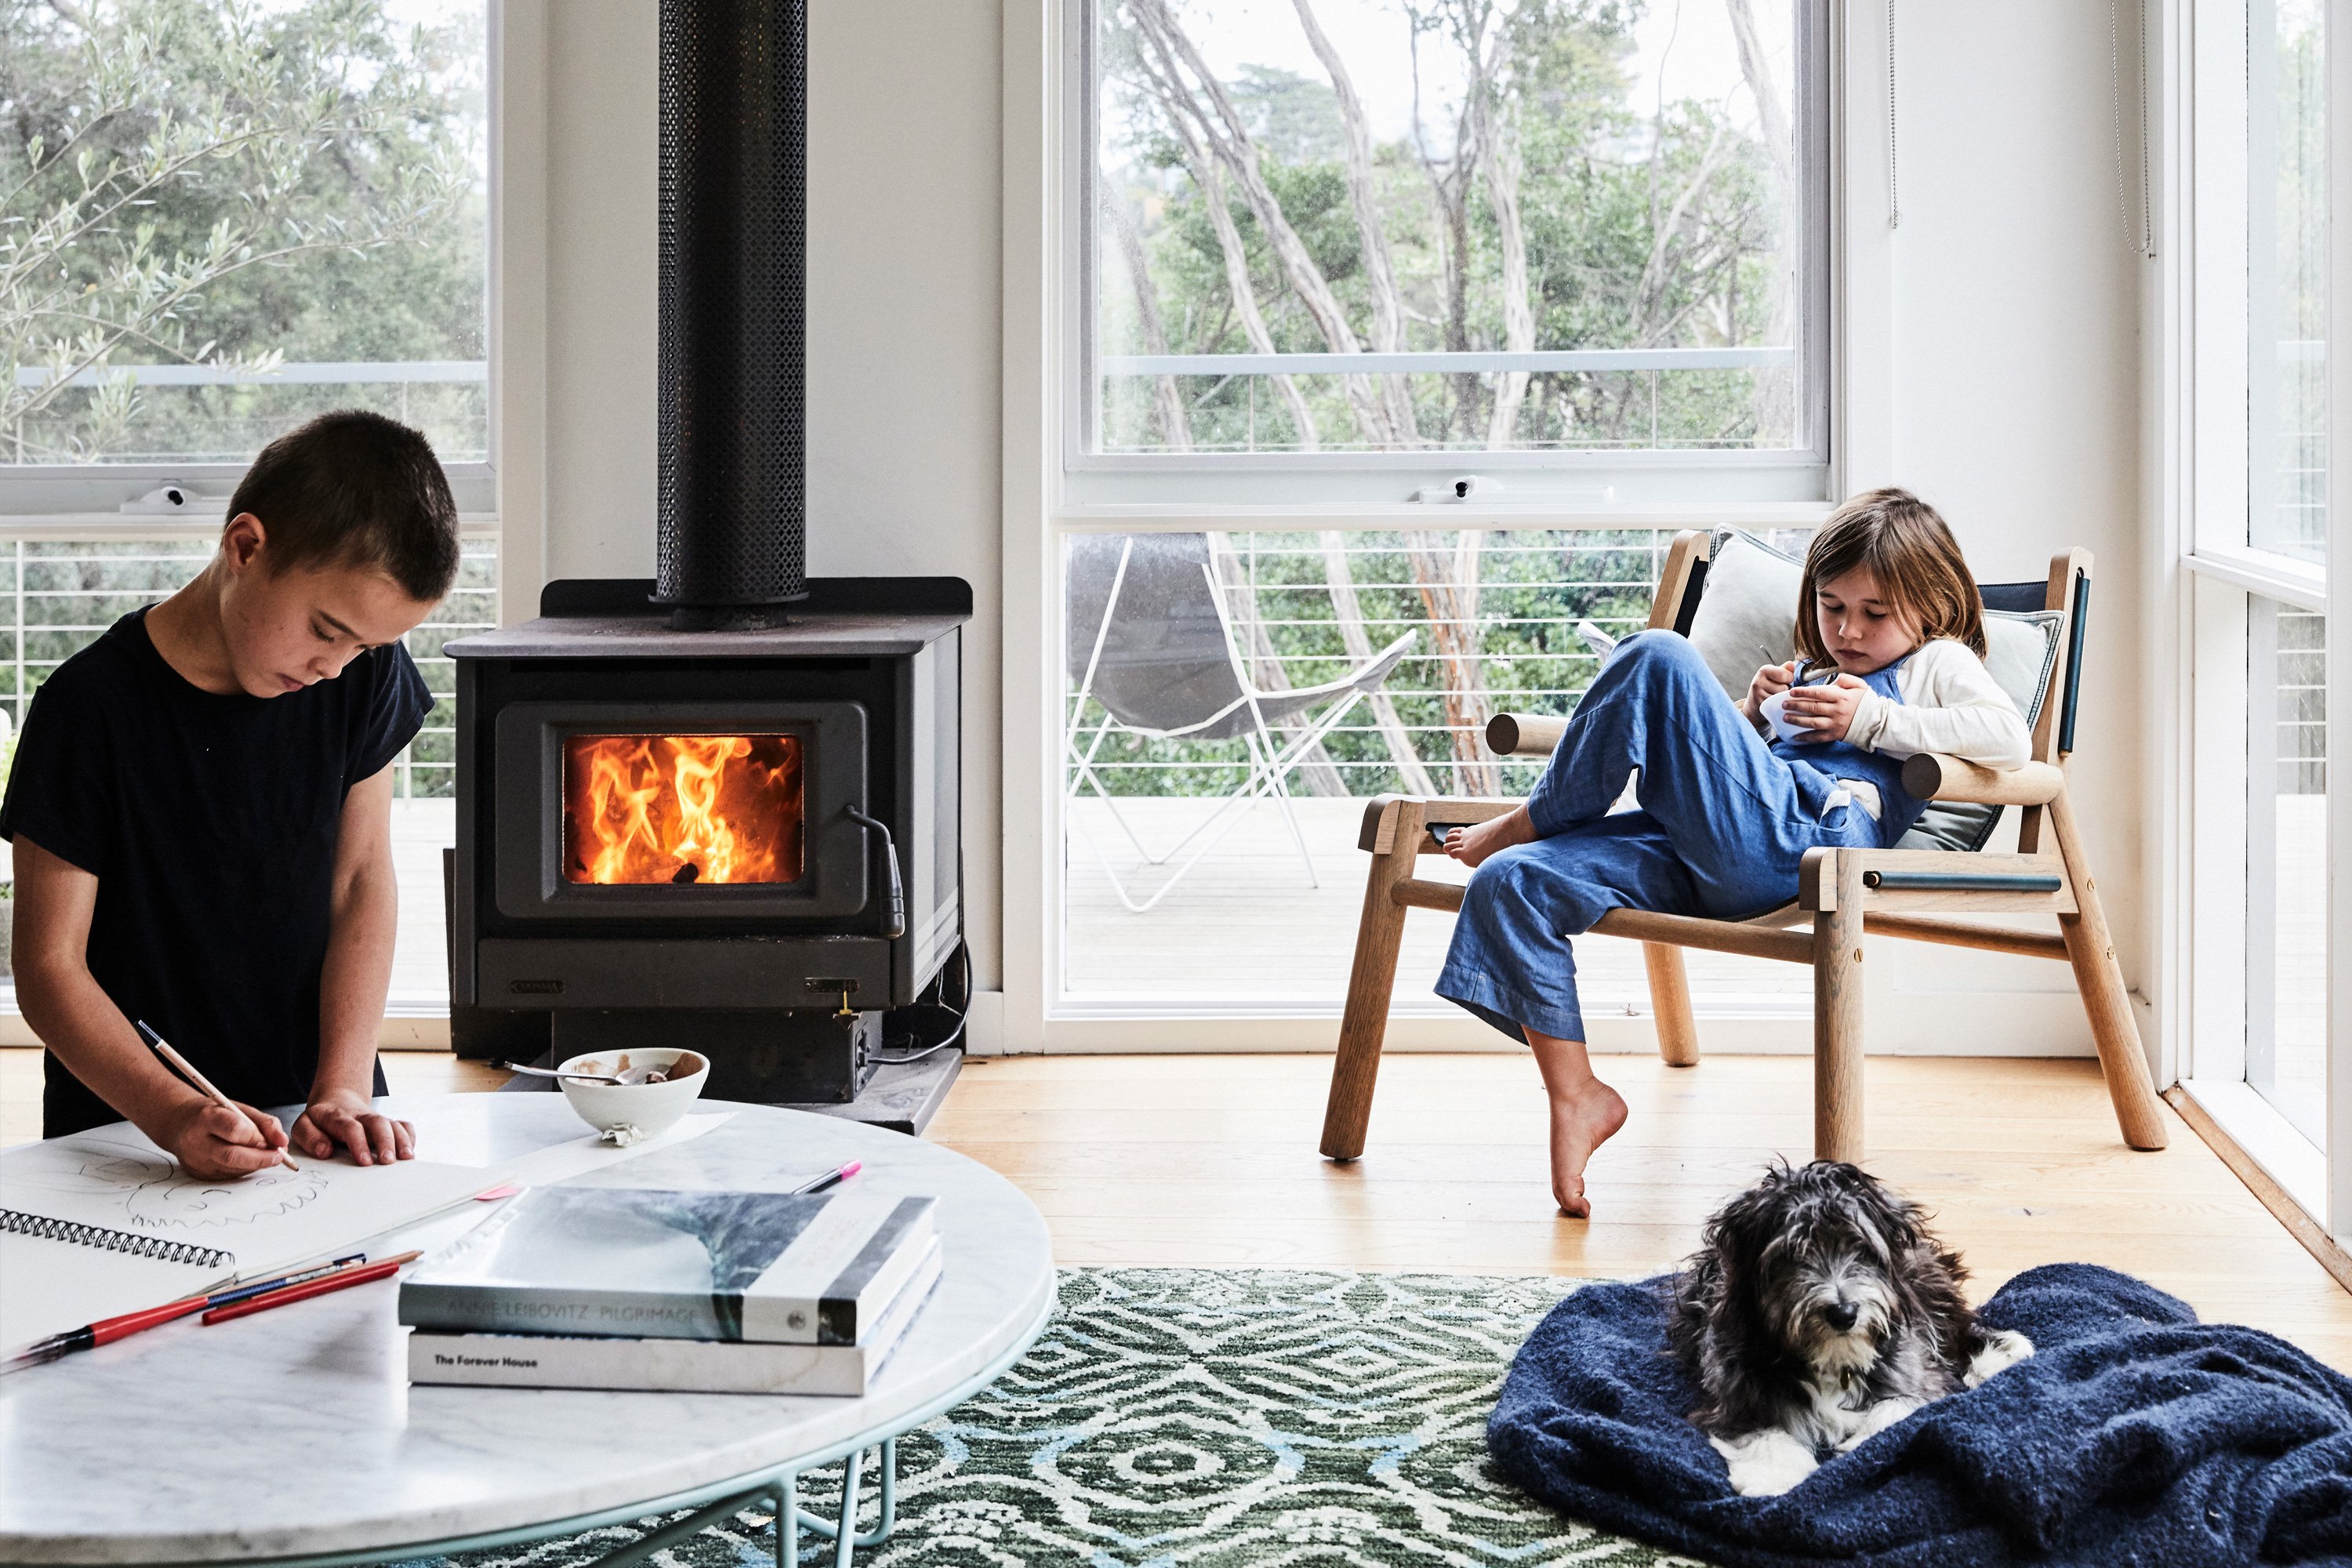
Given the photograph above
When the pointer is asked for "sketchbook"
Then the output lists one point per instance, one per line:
(105, 1222)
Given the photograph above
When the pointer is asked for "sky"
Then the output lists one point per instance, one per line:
(1684, 46)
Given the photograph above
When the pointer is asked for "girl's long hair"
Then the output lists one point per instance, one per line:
(1910, 555)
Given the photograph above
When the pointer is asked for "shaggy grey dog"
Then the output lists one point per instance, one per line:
(1821, 1311)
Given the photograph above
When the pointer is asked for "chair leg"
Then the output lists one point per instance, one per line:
(1837, 1019)
(1371, 979)
(1670, 1003)
(2091, 951)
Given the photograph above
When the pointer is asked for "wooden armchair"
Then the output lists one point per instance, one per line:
(1842, 895)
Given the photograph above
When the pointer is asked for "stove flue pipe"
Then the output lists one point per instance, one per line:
(731, 549)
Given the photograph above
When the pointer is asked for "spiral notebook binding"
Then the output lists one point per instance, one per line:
(98, 1235)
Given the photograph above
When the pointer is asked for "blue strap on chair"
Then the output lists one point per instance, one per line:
(2079, 613)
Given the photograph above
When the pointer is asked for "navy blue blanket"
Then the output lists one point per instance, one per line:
(2135, 1435)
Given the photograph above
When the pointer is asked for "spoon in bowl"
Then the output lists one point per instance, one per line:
(630, 1079)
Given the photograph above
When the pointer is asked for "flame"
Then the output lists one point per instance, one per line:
(682, 808)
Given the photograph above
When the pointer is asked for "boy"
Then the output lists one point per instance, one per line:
(202, 815)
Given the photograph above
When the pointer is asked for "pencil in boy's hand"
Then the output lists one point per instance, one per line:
(198, 1081)
(342, 1278)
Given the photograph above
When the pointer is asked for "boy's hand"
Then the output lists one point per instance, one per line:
(339, 1121)
(1827, 711)
(214, 1142)
(1772, 678)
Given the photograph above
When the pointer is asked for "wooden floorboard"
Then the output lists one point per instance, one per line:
(1211, 1161)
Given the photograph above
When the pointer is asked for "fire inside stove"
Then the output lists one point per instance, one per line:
(682, 808)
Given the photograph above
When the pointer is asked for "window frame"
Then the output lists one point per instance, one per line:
(1106, 485)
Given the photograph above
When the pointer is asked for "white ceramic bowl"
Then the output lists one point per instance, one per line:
(650, 1108)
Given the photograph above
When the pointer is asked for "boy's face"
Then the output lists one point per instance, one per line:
(289, 630)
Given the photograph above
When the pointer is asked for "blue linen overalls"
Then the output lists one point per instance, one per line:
(1724, 824)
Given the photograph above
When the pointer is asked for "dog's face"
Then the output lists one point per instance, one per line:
(1818, 1251)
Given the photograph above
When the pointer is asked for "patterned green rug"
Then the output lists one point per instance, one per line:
(1209, 1418)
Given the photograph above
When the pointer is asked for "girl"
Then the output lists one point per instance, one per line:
(1727, 812)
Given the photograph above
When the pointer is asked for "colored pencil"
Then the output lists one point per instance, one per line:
(197, 1080)
(294, 1277)
(106, 1330)
(830, 1178)
(342, 1278)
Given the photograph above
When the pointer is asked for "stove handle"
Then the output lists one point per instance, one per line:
(894, 911)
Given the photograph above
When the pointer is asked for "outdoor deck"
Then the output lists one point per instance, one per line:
(1246, 925)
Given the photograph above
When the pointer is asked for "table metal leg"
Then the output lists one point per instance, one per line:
(701, 1519)
(844, 1533)
(782, 1496)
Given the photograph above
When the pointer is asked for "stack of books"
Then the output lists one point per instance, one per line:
(709, 1293)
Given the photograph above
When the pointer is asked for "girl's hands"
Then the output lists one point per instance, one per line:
(1772, 678)
(1826, 711)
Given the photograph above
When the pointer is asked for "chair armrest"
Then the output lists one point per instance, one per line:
(1524, 734)
(1384, 813)
(1931, 776)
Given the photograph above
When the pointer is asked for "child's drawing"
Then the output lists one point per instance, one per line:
(156, 1196)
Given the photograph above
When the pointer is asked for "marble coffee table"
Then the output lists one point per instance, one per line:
(293, 1436)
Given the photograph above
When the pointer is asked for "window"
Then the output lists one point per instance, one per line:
(2265, 1049)
(1332, 249)
(216, 221)
(2286, 862)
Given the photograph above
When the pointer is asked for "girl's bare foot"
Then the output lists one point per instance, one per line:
(1472, 844)
(1583, 1119)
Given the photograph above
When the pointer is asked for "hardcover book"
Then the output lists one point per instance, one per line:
(770, 1267)
(678, 1366)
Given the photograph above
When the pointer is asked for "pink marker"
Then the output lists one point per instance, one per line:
(831, 1178)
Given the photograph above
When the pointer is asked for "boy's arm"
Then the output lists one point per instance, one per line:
(363, 919)
(76, 1019)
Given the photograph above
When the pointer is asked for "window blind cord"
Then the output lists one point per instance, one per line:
(1894, 187)
(2146, 195)
(2145, 243)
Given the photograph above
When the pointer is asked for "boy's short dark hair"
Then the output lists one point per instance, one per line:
(355, 488)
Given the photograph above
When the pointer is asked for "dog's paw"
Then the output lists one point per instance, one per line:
(2004, 1348)
(1877, 1419)
(1765, 1463)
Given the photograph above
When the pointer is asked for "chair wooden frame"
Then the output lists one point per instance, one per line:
(1843, 894)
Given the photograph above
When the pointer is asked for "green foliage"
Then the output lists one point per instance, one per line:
(1640, 231)
(230, 185)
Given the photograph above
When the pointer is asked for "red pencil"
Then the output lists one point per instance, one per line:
(340, 1279)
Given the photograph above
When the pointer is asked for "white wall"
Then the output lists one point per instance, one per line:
(2014, 326)
(2017, 364)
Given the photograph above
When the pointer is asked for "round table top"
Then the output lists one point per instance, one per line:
(296, 1432)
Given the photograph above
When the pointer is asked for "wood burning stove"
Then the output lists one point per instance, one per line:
(717, 808)
(746, 841)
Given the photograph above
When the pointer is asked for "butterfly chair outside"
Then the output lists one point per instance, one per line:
(1843, 894)
(1151, 645)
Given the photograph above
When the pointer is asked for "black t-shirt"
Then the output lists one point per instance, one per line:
(210, 823)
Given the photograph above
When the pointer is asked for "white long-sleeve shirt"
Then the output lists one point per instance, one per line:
(1950, 704)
